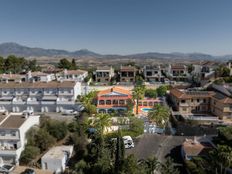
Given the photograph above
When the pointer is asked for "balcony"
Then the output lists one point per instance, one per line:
(183, 104)
(18, 102)
(33, 102)
(65, 93)
(48, 102)
(65, 102)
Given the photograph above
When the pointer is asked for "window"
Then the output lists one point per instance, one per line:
(198, 100)
(2, 133)
(144, 103)
(108, 102)
(204, 100)
(149, 73)
(182, 101)
(13, 133)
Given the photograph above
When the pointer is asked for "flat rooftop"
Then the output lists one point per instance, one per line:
(12, 122)
(58, 152)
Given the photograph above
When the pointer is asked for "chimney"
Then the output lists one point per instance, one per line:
(195, 140)
(29, 75)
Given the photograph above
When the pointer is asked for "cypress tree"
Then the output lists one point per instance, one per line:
(120, 153)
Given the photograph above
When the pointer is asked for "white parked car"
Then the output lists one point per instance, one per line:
(28, 112)
(128, 142)
(69, 112)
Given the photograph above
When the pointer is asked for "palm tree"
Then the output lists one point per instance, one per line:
(138, 93)
(168, 167)
(101, 122)
(150, 164)
(221, 157)
(160, 114)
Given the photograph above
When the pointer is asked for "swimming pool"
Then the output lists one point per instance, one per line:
(146, 109)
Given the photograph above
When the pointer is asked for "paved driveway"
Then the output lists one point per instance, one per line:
(160, 146)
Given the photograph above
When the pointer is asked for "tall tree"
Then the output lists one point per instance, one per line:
(2, 65)
(160, 114)
(161, 91)
(120, 153)
(168, 167)
(138, 94)
(74, 65)
(64, 64)
(151, 164)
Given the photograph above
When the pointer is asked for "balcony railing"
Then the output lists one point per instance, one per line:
(48, 102)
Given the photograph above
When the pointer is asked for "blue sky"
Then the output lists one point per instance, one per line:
(119, 26)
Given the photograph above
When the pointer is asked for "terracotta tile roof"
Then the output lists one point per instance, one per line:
(52, 84)
(11, 76)
(178, 67)
(38, 73)
(192, 148)
(222, 98)
(190, 94)
(109, 68)
(128, 68)
(74, 72)
(114, 89)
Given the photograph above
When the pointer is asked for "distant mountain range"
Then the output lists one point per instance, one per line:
(20, 50)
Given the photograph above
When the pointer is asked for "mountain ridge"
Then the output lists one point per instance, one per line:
(9, 48)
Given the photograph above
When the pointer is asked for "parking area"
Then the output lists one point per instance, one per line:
(160, 146)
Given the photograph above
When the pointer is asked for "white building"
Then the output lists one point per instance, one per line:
(40, 76)
(104, 74)
(54, 96)
(74, 75)
(13, 129)
(178, 73)
(229, 65)
(12, 77)
(56, 158)
(153, 73)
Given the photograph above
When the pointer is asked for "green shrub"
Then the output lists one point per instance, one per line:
(29, 153)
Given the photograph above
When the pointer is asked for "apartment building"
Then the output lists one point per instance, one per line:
(215, 102)
(54, 96)
(72, 75)
(113, 99)
(204, 72)
(153, 73)
(187, 102)
(178, 73)
(127, 74)
(104, 74)
(13, 129)
(221, 101)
